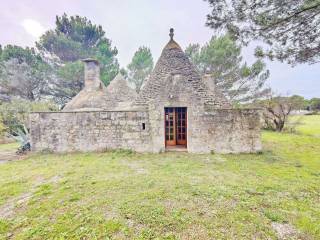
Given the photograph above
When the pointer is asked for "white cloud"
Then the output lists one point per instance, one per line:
(33, 27)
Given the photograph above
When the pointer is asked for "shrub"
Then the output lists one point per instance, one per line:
(15, 114)
(292, 124)
(2, 128)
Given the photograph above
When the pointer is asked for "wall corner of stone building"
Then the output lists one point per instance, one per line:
(34, 130)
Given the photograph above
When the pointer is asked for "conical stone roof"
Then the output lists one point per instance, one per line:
(93, 96)
(96, 97)
(120, 91)
(88, 100)
(171, 62)
(120, 95)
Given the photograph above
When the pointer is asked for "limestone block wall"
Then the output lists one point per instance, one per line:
(90, 131)
(218, 131)
(232, 130)
(178, 93)
(209, 129)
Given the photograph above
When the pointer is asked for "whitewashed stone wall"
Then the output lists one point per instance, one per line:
(89, 131)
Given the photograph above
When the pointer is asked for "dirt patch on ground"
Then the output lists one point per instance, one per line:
(8, 210)
(213, 159)
(138, 227)
(194, 232)
(6, 156)
(135, 166)
(110, 214)
(11, 155)
(285, 231)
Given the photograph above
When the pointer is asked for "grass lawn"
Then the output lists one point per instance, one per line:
(309, 125)
(9, 147)
(124, 195)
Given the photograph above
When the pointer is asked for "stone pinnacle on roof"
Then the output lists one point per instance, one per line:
(171, 34)
(172, 43)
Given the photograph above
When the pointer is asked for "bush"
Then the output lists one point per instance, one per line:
(2, 128)
(15, 114)
(313, 113)
(292, 124)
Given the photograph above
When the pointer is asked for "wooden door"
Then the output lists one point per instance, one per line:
(170, 127)
(176, 126)
(181, 126)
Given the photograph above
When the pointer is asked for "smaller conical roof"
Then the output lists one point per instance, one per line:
(119, 90)
(93, 96)
(88, 100)
(119, 84)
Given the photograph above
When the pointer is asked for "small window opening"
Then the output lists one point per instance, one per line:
(143, 126)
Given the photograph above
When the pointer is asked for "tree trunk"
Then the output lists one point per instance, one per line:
(279, 125)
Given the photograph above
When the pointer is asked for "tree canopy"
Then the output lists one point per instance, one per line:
(221, 58)
(290, 28)
(54, 70)
(23, 73)
(140, 67)
(314, 104)
(75, 38)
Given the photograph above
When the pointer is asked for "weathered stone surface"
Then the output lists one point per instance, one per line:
(120, 95)
(220, 131)
(89, 131)
(232, 130)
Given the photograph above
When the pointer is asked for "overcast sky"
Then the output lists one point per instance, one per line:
(133, 23)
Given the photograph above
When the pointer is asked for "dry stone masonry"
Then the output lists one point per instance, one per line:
(102, 118)
(89, 131)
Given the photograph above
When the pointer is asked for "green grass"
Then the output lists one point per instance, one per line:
(308, 125)
(124, 195)
(9, 146)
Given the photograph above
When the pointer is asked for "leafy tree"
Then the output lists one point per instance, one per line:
(75, 38)
(67, 81)
(23, 73)
(276, 111)
(290, 28)
(315, 104)
(221, 58)
(298, 102)
(193, 51)
(55, 71)
(27, 55)
(140, 67)
(124, 73)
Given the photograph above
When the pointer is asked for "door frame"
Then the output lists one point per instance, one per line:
(175, 141)
(170, 142)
